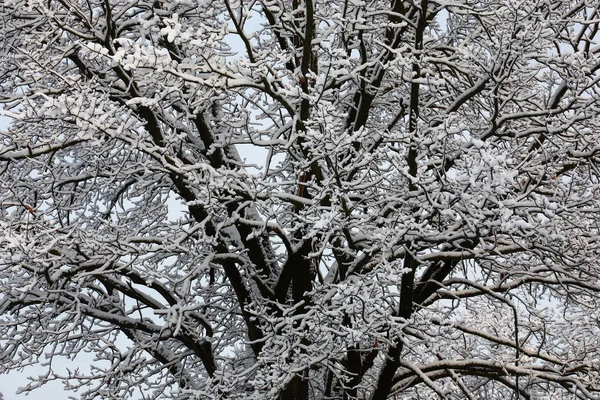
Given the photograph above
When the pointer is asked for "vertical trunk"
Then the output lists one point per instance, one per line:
(296, 389)
(392, 361)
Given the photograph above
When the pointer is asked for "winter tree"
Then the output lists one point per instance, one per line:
(301, 199)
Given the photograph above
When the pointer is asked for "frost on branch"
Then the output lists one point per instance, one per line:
(301, 199)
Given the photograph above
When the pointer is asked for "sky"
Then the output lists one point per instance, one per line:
(11, 382)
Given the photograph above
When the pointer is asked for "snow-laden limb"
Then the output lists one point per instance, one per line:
(302, 199)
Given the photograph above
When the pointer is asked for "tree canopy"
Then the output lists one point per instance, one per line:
(302, 199)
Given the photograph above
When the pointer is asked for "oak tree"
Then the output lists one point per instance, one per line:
(302, 199)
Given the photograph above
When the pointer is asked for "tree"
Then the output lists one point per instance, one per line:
(422, 221)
